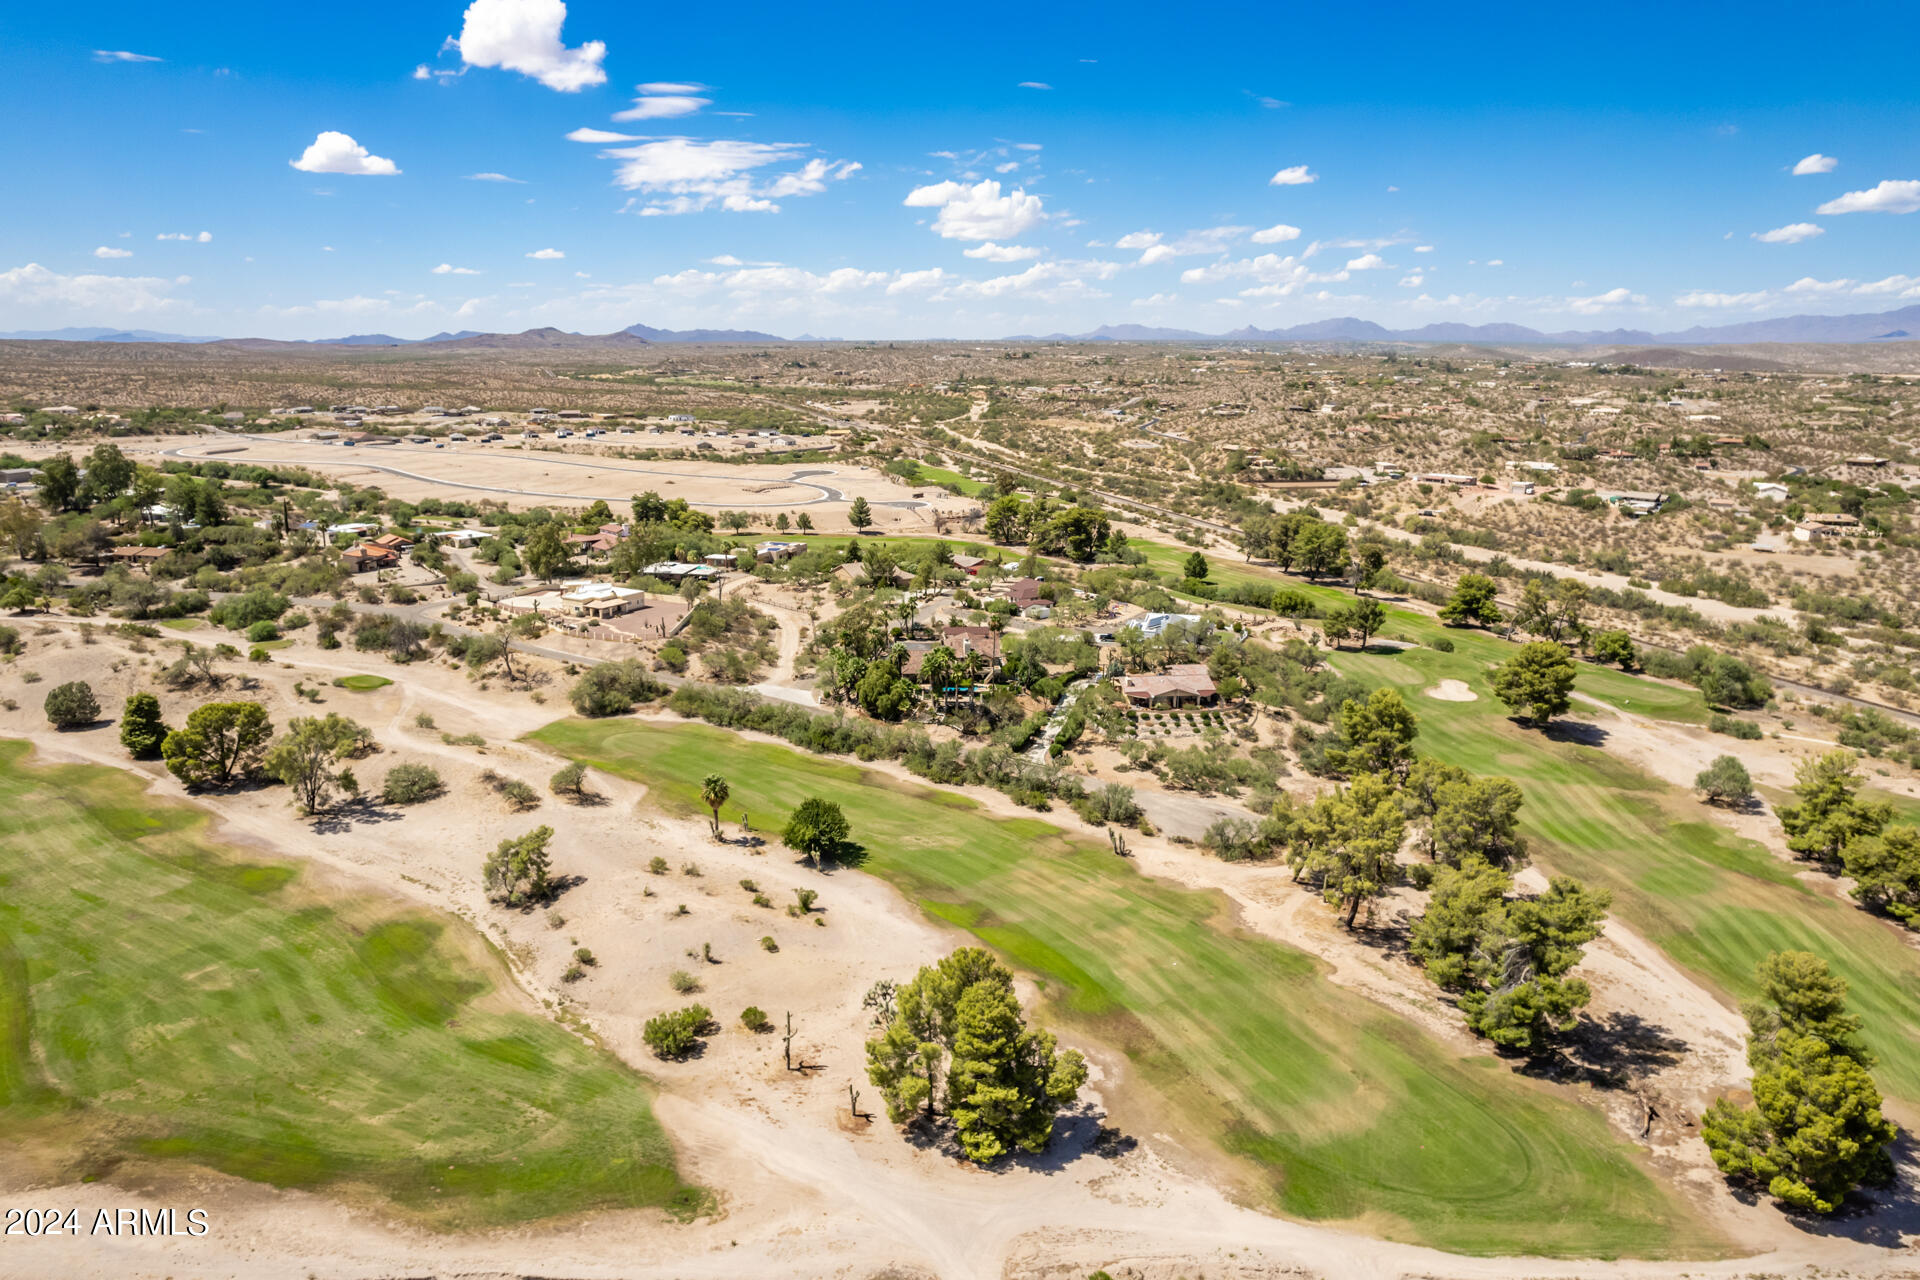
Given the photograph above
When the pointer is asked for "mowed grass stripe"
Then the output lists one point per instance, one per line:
(184, 1004)
(1714, 902)
(1345, 1111)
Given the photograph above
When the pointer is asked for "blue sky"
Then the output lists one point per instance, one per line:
(906, 171)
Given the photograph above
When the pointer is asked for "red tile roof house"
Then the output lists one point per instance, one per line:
(393, 542)
(366, 556)
(592, 545)
(1024, 592)
(1179, 685)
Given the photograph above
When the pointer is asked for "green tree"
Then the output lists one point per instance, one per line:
(859, 514)
(109, 473)
(72, 705)
(1368, 565)
(1421, 792)
(1345, 842)
(1468, 904)
(306, 756)
(517, 871)
(1479, 818)
(713, 793)
(1320, 548)
(1008, 1083)
(1886, 871)
(1472, 603)
(1509, 957)
(1537, 682)
(1616, 647)
(804, 523)
(221, 741)
(1196, 567)
(1725, 781)
(545, 551)
(59, 483)
(1725, 681)
(817, 830)
(1815, 1130)
(20, 529)
(141, 731)
(1006, 520)
(1830, 815)
(1376, 735)
(612, 688)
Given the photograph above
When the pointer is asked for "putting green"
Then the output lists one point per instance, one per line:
(159, 998)
(1341, 1109)
(363, 683)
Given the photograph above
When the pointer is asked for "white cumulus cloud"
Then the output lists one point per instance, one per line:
(991, 252)
(600, 135)
(1137, 240)
(1276, 233)
(122, 55)
(104, 252)
(1157, 253)
(978, 212)
(1815, 163)
(547, 255)
(495, 177)
(1605, 302)
(35, 287)
(1293, 176)
(524, 36)
(201, 238)
(1368, 262)
(448, 269)
(1792, 233)
(1721, 301)
(686, 175)
(335, 152)
(1888, 197)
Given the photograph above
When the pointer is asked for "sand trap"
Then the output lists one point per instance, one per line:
(1452, 691)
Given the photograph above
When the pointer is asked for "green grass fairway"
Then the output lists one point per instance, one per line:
(362, 683)
(941, 475)
(159, 999)
(1347, 1111)
(1714, 902)
(180, 624)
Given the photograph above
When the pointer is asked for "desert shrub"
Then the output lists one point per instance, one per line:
(769, 945)
(612, 688)
(411, 784)
(683, 982)
(674, 1035)
(754, 1018)
(569, 781)
(1734, 727)
(657, 865)
(519, 796)
(262, 631)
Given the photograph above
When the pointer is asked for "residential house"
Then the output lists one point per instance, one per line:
(1770, 491)
(969, 565)
(1180, 685)
(367, 557)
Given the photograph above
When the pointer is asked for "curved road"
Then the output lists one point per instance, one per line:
(822, 493)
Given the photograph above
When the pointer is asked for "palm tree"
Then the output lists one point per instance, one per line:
(938, 667)
(971, 668)
(714, 790)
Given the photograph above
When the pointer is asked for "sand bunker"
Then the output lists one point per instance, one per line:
(1452, 691)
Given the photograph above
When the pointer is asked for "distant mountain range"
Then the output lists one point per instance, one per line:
(465, 339)
(1885, 326)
